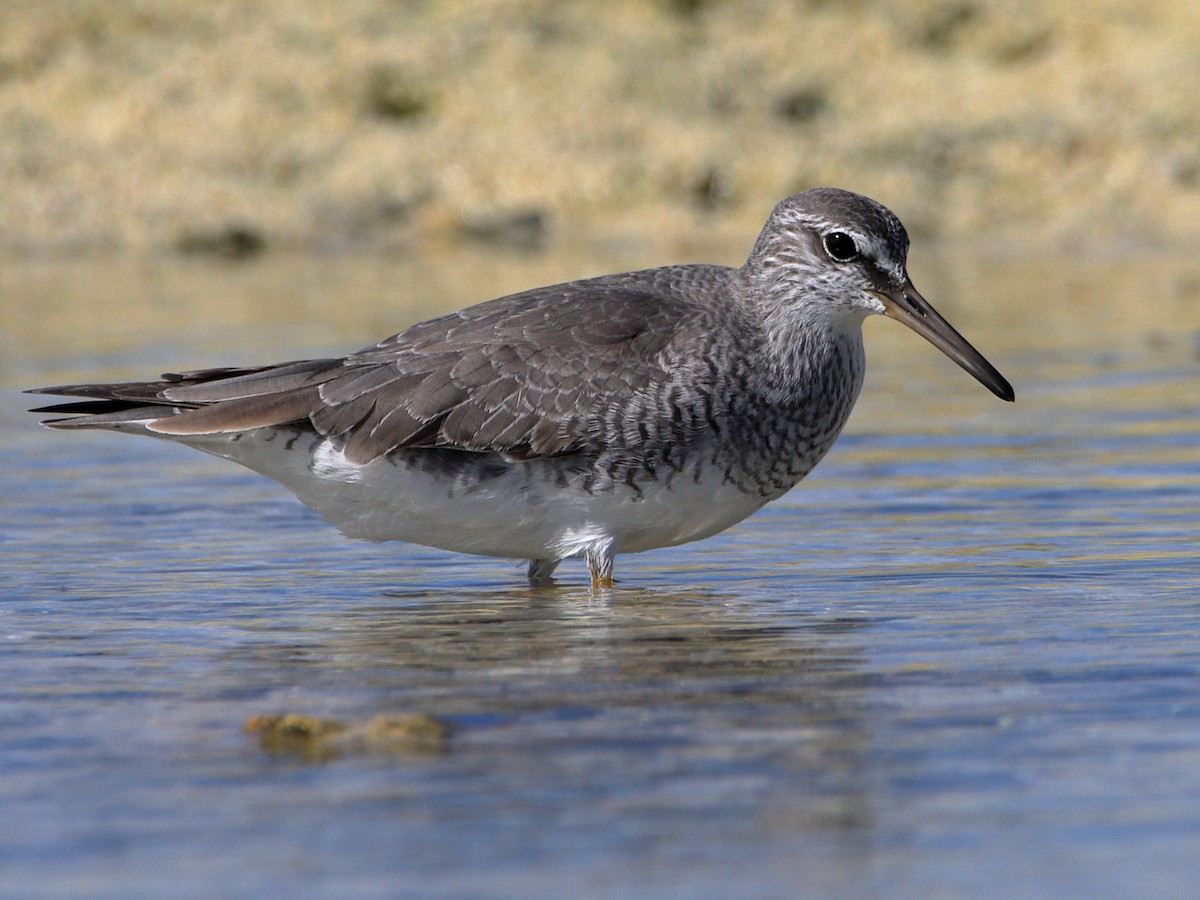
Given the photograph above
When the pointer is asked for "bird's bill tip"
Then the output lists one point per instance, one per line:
(906, 305)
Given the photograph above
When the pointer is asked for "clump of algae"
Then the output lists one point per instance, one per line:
(319, 739)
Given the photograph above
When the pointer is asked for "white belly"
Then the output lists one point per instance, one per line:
(517, 509)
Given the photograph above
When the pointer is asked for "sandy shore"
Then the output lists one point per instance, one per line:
(165, 126)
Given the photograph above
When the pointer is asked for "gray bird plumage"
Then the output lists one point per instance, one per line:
(609, 388)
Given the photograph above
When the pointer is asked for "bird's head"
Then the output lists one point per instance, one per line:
(836, 257)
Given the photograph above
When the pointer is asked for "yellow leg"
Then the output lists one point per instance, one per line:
(600, 582)
(600, 564)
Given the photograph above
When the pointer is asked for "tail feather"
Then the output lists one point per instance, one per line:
(206, 401)
(103, 415)
(86, 407)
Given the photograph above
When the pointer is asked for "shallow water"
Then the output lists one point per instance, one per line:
(961, 659)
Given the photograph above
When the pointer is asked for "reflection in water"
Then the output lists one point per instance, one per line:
(698, 687)
(631, 634)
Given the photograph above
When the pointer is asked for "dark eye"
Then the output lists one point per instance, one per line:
(840, 246)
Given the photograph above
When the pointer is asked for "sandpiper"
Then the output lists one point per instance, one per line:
(603, 416)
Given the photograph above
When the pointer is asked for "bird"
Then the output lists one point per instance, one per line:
(603, 416)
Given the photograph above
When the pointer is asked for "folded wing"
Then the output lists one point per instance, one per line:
(522, 375)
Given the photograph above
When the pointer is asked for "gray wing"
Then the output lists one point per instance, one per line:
(527, 375)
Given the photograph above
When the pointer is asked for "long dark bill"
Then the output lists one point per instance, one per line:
(908, 306)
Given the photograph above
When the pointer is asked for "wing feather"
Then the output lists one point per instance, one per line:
(526, 375)
(240, 414)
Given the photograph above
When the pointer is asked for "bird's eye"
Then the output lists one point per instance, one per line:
(840, 246)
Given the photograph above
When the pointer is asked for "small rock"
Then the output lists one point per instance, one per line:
(519, 229)
(943, 24)
(307, 737)
(686, 8)
(229, 242)
(1184, 170)
(316, 739)
(802, 106)
(393, 94)
(713, 189)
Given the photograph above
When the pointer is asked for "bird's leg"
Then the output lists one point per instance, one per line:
(600, 563)
(541, 571)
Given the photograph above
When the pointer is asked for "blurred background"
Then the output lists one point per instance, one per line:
(230, 127)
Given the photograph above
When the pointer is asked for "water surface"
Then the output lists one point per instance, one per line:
(961, 659)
